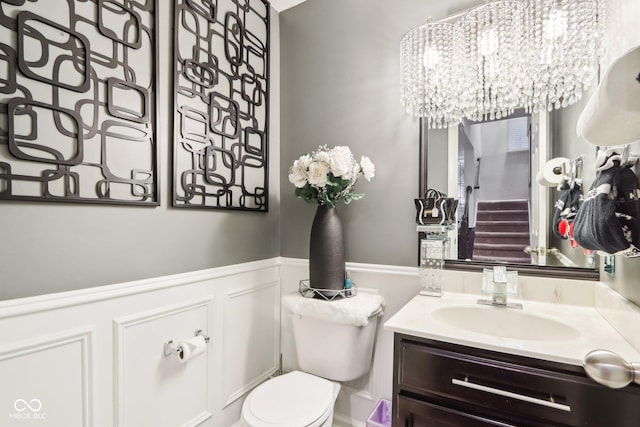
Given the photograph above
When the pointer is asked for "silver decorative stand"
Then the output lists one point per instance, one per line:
(326, 294)
(434, 249)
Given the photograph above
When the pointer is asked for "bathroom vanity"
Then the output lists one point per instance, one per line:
(437, 383)
(448, 373)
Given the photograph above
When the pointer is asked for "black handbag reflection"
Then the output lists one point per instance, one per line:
(435, 208)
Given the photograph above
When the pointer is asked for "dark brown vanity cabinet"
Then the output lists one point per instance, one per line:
(440, 384)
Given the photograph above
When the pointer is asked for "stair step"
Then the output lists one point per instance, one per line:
(515, 247)
(503, 215)
(507, 241)
(503, 226)
(501, 205)
(498, 237)
(503, 234)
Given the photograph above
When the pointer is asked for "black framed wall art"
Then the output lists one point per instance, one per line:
(78, 101)
(221, 104)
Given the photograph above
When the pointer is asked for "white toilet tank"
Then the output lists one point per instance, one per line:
(335, 351)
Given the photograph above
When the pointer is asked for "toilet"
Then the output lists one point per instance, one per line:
(334, 342)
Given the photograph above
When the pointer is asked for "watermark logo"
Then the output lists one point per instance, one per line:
(28, 410)
(21, 405)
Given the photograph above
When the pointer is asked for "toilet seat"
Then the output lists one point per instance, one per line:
(296, 399)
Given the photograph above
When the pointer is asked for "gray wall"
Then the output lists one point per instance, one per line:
(340, 86)
(58, 247)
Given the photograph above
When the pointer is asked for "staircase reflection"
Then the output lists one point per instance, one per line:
(502, 231)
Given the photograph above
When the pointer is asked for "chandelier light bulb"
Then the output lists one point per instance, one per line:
(431, 57)
(557, 24)
(488, 42)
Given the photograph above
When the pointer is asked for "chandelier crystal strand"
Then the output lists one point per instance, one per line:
(426, 89)
(602, 8)
(530, 70)
(537, 78)
(466, 78)
(488, 49)
(570, 34)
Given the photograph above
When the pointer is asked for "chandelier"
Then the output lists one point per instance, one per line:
(506, 54)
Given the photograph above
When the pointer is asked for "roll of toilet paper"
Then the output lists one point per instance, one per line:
(191, 348)
(551, 173)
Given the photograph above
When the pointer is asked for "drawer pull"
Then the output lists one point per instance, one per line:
(505, 393)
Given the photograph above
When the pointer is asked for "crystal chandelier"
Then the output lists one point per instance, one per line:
(503, 55)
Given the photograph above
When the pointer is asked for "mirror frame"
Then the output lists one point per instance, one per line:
(577, 273)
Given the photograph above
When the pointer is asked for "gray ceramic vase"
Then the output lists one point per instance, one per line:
(326, 252)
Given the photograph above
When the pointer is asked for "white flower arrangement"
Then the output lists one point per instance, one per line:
(327, 176)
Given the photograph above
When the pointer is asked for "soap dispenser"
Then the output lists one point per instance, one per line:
(499, 294)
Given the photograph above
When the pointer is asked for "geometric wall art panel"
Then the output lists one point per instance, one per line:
(78, 101)
(221, 102)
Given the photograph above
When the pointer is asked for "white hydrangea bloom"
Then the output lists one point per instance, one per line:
(368, 169)
(341, 162)
(322, 156)
(318, 174)
(298, 171)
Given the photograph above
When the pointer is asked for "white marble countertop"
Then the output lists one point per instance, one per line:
(416, 318)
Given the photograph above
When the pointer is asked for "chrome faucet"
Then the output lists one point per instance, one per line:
(497, 288)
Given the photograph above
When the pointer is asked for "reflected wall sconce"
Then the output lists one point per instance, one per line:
(484, 63)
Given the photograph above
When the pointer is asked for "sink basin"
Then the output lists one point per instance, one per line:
(505, 322)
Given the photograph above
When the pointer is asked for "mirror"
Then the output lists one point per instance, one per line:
(491, 164)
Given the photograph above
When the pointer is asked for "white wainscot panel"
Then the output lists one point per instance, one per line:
(159, 391)
(251, 338)
(50, 380)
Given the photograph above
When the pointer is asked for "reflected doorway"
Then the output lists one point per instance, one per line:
(494, 189)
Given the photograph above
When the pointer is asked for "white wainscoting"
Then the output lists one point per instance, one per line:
(252, 343)
(95, 357)
(149, 387)
(38, 366)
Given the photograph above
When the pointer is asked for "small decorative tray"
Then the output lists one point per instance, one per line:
(327, 294)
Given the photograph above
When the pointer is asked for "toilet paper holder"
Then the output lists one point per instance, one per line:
(172, 349)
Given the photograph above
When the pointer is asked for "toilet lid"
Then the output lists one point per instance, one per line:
(293, 399)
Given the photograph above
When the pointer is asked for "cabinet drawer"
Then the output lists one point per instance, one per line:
(512, 391)
(417, 413)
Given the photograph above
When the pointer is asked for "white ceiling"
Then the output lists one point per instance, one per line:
(280, 5)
